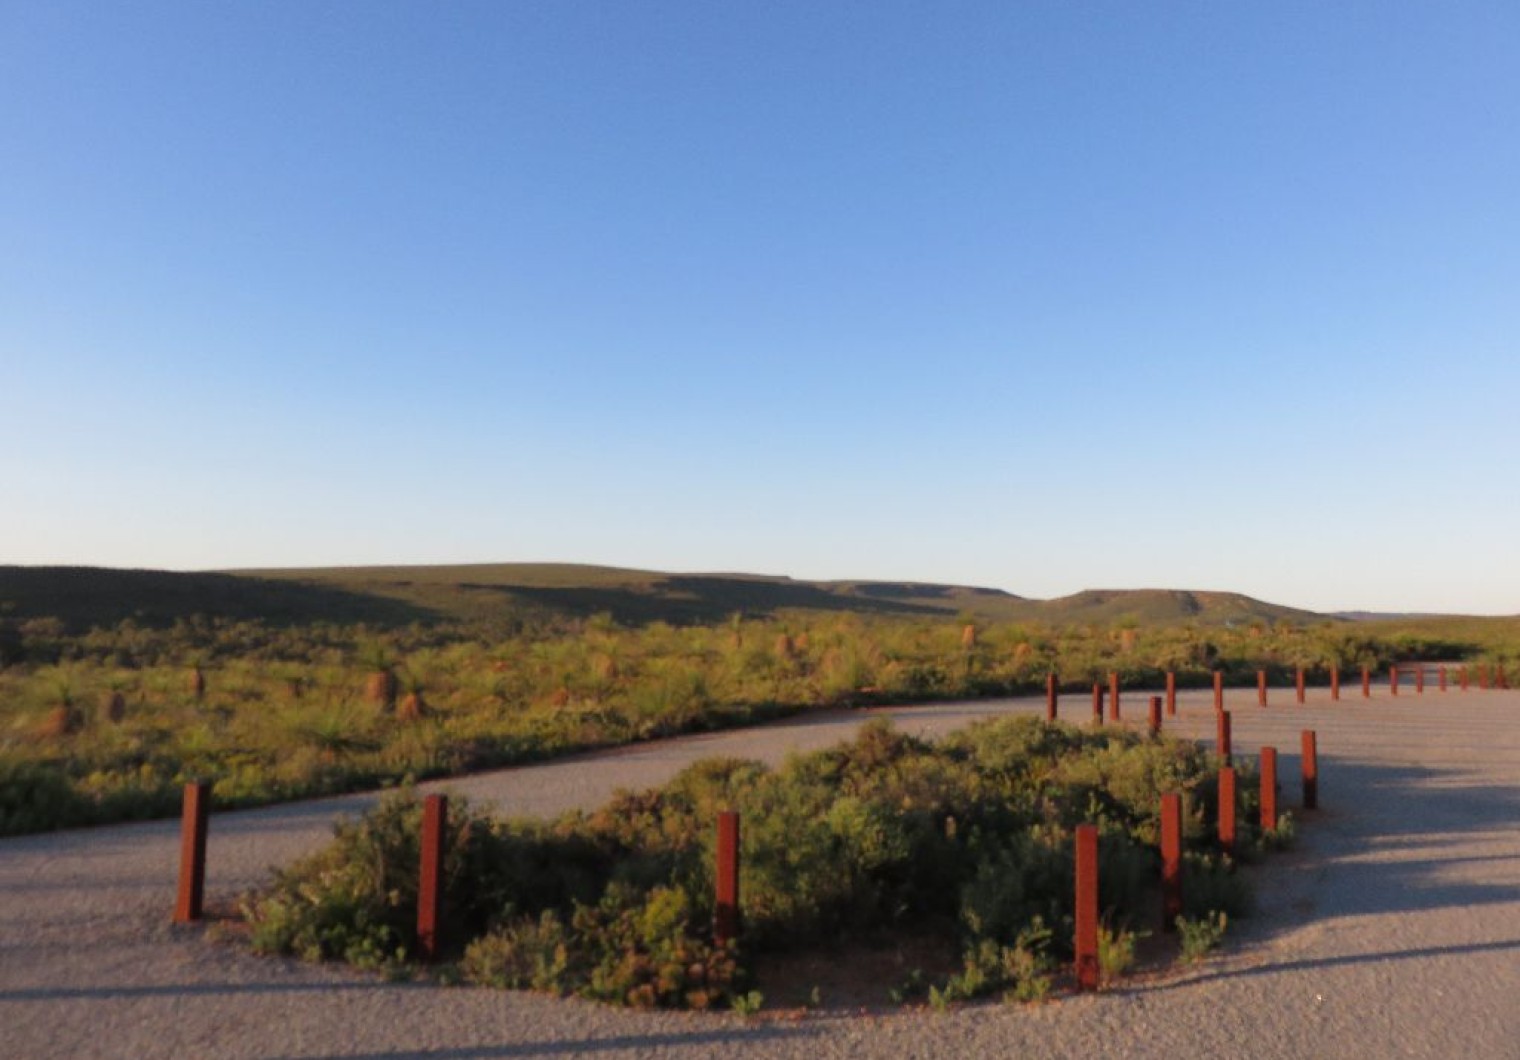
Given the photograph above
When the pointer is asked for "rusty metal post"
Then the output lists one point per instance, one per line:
(1155, 716)
(1419, 680)
(1113, 695)
(1393, 680)
(1050, 696)
(1298, 685)
(1086, 941)
(1222, 739)
(1366, 682)
(1227, 809)
(1097, 703)
(1268, 789)
(726, 914)
(1171, 694)
(435, 823)
(1218, 690)
(1310, 770)
(1171, 860)
(1261, 688)
(1441, 677)
(1462, 677)
(194, 813)
(1335, 684)
(1482, 678)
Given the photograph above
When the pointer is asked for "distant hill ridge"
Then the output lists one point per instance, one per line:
(397, 595)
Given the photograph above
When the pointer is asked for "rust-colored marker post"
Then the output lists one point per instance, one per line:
(1050, 696)
(435, 823)
(1113, 696)
(1268, 789)
(1222, 739)
(1171, 860)
(1310, 770)
(1419, 680)
(1500, 681)
(1335, 684)
(192, 852)
(1218, 690)
(1441, 677)
(1227, 809)
(1261, 688)
(1086, 941)
(1482, 678)
(1097, 703)
(1366, 682)
(1154, 720)
(1462, 677)
(1298, 685)
(1171, 694)
(726, 915)
(1393, 680)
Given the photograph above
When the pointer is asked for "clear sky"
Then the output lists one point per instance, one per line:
(1042, 296)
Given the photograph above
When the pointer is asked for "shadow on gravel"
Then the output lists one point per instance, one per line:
(1314, 964)
(705, 1041)
(1394, 837)
(110, 993)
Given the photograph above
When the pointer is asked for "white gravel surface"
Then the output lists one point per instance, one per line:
(1393, 929)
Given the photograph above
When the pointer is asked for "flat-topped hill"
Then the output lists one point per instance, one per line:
(389, 596)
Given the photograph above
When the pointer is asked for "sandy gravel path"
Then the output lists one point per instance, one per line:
(1393, 929)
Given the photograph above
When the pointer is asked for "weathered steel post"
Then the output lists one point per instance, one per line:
(1268, 789)
(194, 813)
(1227, 809)
(1086, 941)
(726, 912)
(1310, 770)
(435, 820)
(1171, 860)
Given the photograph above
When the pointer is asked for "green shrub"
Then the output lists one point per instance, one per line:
(882, 830)
(1199, 937)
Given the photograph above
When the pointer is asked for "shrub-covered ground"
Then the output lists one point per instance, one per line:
(109, 724)
(968, 839)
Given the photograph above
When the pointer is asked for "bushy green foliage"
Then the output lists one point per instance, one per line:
(284, 713)
(1200, 937)
(973, 834)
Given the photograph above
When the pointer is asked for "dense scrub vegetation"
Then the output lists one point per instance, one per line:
(969, 838)
(108, 723)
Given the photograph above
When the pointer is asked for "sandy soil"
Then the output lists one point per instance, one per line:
(1392, 930)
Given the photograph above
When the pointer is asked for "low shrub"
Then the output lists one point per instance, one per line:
(881, 831)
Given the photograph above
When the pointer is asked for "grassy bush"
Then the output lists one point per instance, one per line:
(107, 716)
(972, 834)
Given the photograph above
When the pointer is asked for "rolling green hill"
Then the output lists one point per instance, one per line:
(390, 596)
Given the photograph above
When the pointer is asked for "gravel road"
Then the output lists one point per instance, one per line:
(1393, 929)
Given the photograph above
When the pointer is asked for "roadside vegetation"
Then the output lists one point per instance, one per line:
(967, 842)
(107, 723)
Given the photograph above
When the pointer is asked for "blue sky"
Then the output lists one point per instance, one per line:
(1039, 296)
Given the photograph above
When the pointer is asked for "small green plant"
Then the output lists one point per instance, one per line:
(910, 989)
(1283, 836)
(748, 1004)
(1200, 937)
(1116, 951)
